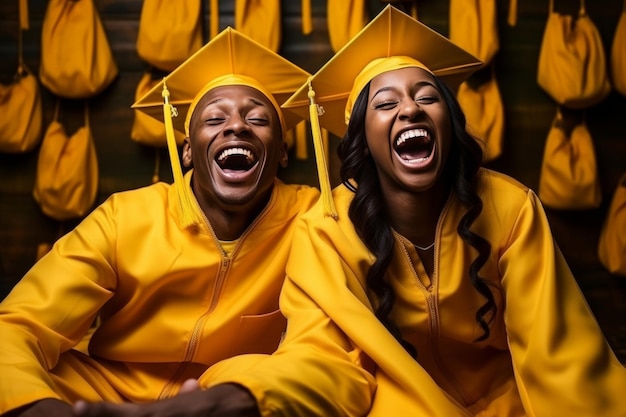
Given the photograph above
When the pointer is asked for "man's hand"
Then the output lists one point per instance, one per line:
(48, 407)
(226, 400)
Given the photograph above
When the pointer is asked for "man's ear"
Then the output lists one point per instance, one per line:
(284, 159)
(186, 156)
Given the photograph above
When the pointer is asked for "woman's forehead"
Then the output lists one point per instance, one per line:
(414, 74)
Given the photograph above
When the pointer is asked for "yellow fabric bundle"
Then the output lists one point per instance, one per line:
(76, 59)
(66, 183)
(169, 32)
(485, 115)
(569, 177)
(259, 20)
(572, 64)
(20, 103)
(473, 27)
(20, 106)
(345, 19)
(612, 244)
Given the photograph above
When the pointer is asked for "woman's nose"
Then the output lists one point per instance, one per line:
(409, 108)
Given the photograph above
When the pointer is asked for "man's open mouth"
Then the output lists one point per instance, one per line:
(236, 159)
(414, 145)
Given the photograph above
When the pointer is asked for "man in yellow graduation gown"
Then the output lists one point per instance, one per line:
(178, 276)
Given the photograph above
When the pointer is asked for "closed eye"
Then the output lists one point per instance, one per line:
(385, 105)
(259, 121)
(427, 99)
(214, 121)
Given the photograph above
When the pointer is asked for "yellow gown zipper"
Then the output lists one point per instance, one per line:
(168, 389)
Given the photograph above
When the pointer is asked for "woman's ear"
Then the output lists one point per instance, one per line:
(186, 156)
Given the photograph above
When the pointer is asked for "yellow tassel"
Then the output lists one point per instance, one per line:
(185, 204)
(320, 157)
(325, 142)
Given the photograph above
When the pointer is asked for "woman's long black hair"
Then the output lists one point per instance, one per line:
(369, 214)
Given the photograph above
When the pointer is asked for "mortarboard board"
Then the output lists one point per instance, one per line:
(390, 41)
(230, 58)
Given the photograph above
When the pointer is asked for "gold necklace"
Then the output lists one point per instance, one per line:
(424, 248)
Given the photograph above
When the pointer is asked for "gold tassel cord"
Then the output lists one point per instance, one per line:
(185, 203)
(320, 157)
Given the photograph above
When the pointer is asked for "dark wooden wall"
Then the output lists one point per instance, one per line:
(123, 164)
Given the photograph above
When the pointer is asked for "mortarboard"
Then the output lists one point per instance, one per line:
(230, 58)
(390, 41)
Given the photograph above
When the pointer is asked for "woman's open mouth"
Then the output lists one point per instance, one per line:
(414, 146)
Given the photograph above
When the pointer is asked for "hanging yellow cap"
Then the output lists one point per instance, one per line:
(390, 41)
(230, 58)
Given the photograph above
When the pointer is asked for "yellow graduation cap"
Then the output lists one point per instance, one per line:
(230, 58)
(390, 41)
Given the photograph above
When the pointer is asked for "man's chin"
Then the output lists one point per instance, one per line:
(235, 198)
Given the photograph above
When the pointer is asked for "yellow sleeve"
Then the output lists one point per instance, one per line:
(52, 308)
(316, 370)
(561, 358)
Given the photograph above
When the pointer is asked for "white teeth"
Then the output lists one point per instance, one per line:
(234, 151)
(414, 161)
(411, 134)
